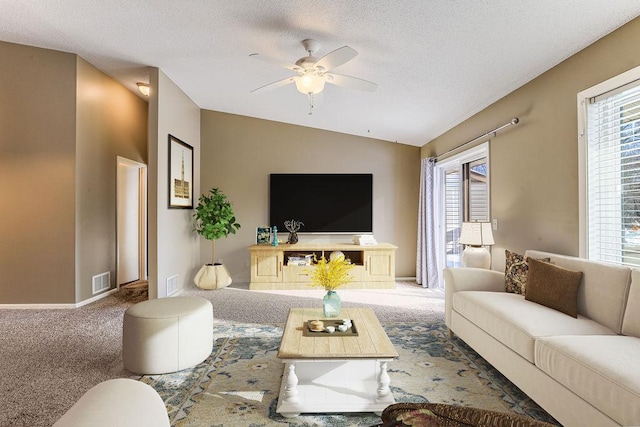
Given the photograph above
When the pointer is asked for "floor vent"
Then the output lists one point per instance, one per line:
(101, 282)
(172, 284)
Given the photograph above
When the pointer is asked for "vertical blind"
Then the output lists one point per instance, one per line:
(453, 217)
(613, 176)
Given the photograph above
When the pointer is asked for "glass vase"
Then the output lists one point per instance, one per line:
(331, 304)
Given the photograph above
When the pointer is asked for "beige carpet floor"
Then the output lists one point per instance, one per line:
(49, 358)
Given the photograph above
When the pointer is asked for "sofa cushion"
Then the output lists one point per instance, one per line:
(553, 286)
(516, 323)
(515, 272)
(631, 322)
(603, 370)
(602, 295)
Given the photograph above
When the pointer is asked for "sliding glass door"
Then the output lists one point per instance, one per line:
(462, 188)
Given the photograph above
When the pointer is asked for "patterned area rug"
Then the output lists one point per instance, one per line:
(238, 384)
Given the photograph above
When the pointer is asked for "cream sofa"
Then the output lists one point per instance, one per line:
(584, 371)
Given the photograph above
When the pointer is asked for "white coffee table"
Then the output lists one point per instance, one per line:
(333, 374)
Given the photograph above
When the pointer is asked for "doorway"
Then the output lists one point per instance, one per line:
(131, 221)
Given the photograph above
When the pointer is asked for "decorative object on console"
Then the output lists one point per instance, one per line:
(476, 235)
(293, 227)
(330, 275)
(515, 272)
(214, 218)
(274, 242)
(364, 239)
(263, 235)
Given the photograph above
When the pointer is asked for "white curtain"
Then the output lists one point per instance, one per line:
(426, 264)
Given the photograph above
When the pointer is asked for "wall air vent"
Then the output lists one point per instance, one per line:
(172, 284)
(101, 282)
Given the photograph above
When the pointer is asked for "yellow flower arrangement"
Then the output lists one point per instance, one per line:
(330, 275)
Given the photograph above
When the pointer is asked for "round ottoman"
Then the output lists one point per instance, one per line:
(120, 402)
(167, 334)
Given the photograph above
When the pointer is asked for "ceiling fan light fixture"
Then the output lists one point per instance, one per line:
(309, 83)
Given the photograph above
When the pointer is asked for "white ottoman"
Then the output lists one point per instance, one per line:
(121, 402)
(167, 334)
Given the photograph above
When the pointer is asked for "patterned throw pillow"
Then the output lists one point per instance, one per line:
(515, 272)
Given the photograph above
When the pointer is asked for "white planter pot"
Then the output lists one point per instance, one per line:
(212, 277)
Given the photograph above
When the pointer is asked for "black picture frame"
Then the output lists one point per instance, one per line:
(263, 235)
(180, 174)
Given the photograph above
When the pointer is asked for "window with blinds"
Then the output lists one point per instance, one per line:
(478, 199)
(613, 175)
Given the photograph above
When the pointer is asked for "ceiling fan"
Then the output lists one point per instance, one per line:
(312, 73)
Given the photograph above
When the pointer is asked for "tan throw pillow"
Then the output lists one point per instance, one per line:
(515, 272)
(553, 286)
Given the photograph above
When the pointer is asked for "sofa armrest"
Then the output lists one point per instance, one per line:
(469, 279)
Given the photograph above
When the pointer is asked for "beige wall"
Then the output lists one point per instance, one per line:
(173, 246)
(63, 124)
(111, 122)
(534, 165)
(37, 170)
(239, 153)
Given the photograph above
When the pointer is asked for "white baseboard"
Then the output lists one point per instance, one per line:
(177, 293)
(96, 298)
(57, 306)
(406, 279)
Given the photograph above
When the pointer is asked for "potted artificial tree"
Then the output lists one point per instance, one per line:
(214, 218)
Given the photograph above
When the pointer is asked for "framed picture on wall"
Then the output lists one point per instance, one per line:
(180, 174)
(263, 235)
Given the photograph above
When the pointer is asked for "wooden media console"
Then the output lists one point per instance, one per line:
(375, 265)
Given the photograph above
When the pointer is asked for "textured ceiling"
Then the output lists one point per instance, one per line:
(437, 62)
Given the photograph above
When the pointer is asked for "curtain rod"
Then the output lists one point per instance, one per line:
(513, 121)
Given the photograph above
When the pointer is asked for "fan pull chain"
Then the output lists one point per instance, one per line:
(310, 94)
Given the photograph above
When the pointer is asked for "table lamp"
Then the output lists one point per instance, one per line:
(476, 235)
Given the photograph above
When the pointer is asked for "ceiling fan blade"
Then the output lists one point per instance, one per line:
(336, 58)
(275, 61)
(277, 84)
(351, 82)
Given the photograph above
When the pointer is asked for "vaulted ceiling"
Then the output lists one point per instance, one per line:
(436, 62)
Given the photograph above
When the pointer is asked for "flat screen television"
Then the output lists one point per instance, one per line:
(325, 203)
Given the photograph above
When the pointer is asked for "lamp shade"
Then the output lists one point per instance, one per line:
(476, 234)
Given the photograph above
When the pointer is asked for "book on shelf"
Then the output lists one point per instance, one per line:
(298, 263)
(300, 259)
